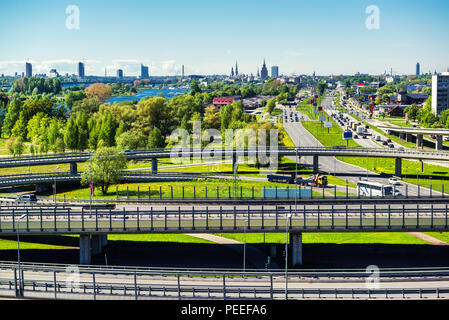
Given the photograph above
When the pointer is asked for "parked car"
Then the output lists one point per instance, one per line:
(27, 198)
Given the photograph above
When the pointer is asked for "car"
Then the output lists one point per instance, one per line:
(128, 151)
(394, 181)
(433, 137)
(355, 136)
(390, 145)
(26, 198)
(365, 136)
(389, 140)
(384, 143)
(401, 149)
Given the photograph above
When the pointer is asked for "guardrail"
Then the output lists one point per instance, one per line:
(78, 283)
(205, 220)
(198, 153)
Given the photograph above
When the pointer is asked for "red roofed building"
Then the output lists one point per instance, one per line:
(220, 102)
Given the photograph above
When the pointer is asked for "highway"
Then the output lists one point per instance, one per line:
(97, 283)
(302, 138)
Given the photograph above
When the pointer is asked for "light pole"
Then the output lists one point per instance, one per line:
(244, 246)
(20, 293)
(54, 186)
(286, 254)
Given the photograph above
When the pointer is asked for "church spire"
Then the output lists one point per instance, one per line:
(236, 69)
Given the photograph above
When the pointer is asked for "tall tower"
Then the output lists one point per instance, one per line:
(418, 67)
(81, 72)
(236, 69)
(232, 72)
(183, 71)
(29, 70)
(264, 71)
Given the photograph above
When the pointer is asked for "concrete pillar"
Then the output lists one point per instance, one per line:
(408, 137)
(235, 164)
(419, 141)
(104, 240)
(315, 164)
(39, 188)
(398, 167)
(85, 249)
(439, 143)
(73, 168)
(154, 165)
(296, 248)
(273, 251)
(402, 135)
(96, 243)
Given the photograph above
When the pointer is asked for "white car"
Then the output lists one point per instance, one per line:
(394, 181)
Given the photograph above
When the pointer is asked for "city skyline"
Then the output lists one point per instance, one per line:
(165, 37)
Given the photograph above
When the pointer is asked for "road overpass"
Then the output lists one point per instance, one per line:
(54, 281)
(234, 154)
(94, 225)
(406, 133)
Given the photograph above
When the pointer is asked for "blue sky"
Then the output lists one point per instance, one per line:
(327, 36)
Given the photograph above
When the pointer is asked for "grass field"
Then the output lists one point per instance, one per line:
(71, 241)
(335, 238)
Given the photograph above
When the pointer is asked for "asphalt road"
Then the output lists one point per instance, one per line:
(303, 138)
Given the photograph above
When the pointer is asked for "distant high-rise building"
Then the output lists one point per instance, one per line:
(232, 72)
(81, 72)
(183, 71)
(29, 70)
(264, 71)
(236, 69)
(440, 92)
(274, 71)
(120, 73)
(144, 73)
(258, 73)
(417, 69)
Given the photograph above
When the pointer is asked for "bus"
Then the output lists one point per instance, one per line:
(374, 189)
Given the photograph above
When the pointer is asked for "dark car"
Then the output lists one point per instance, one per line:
(384, 143)
(389, 140)
(355, 136)
(391, 145)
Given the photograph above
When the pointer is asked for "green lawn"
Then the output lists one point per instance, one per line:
(336, 238)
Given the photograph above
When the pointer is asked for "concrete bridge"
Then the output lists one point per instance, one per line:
(94, 225)
(234, 154)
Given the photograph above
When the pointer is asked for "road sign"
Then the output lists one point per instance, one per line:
(320, 108)
(322, 118)
(315, 111)
(328, 124)
(347, 135)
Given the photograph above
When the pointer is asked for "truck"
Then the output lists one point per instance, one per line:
(354, 126)
(314, 180)
(361, 129)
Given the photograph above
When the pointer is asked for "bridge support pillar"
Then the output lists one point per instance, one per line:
(315, 164)
(402, 135)
(419, 141)
(439, 143)
(398, 167)
(296, 248)
(408, 137)
(85, 249)
(235, 164)
(154, 166)
(73, 168)
(98, 242)
(39, 188)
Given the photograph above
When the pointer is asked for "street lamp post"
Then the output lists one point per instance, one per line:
(20, 292)
(54, 186)
(286, 254)
(244, 246)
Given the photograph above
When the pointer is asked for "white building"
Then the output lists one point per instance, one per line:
(440, 92)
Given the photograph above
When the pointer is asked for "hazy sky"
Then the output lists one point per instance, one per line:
(327, 36)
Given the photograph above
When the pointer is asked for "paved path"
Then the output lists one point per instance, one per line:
(253, 254)
(427, 238)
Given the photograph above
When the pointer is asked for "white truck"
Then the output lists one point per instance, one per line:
(361, 129)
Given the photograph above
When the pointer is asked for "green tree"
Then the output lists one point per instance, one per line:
(71, 135)
(12, 116)
(19, 146)
(156, 139)
(106, 167)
